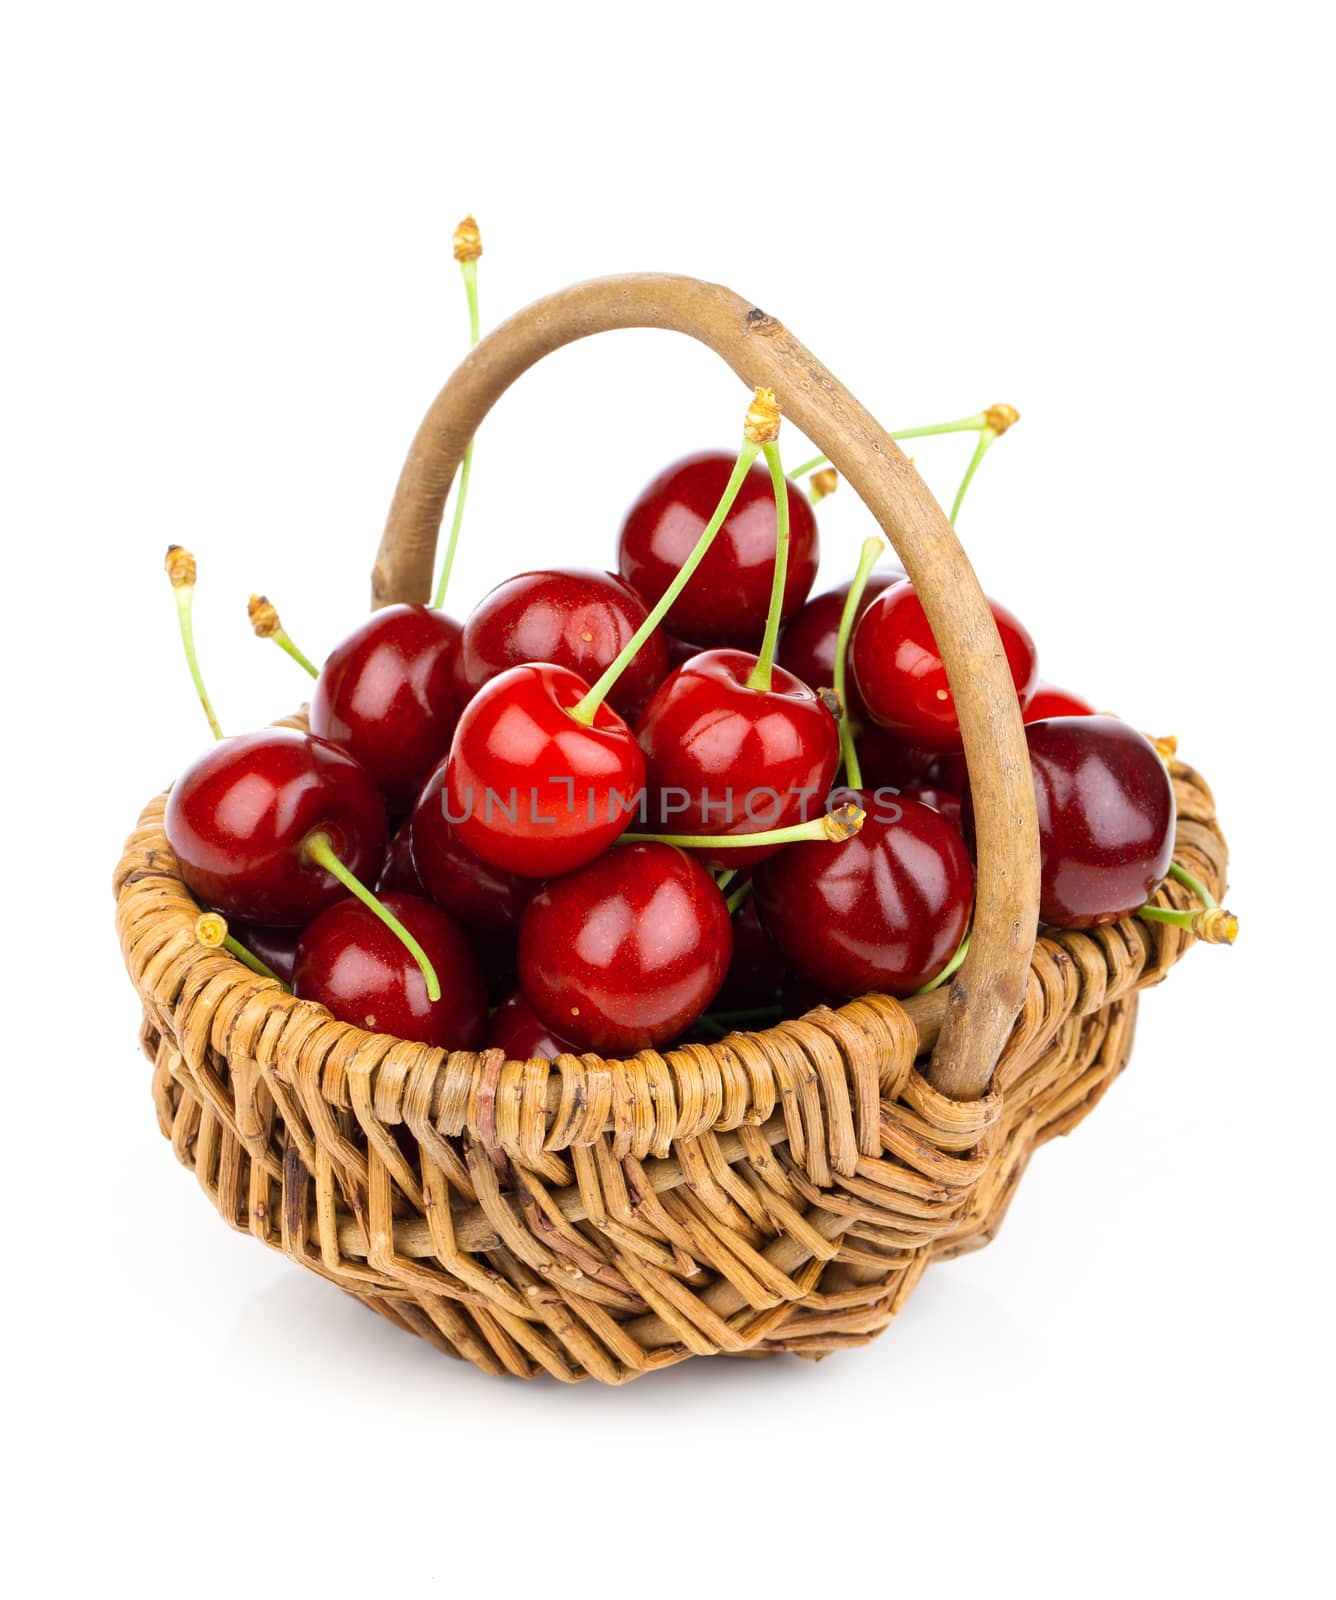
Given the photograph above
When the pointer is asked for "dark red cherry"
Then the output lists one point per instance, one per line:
(900, 673)
(386, 695)
(807, 641)
(627, 952)
(529, 788)
(884, 911)
(356, 968)
(1050, 701)
(724, 758)
(756, 973)
(517, 1029)
(399, 873)
(573, 618)
(1106, 819)
(276, 947)
(939, 799)
(239, 816)
(473, 892)
(888, 762)
(727, 599)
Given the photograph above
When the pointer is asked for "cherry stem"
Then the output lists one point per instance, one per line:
(469, 272)
(317, 848)
(738, 898)
(586, 709)
(211, 930)
(1212, 924)
(724, 878)
(831, 827)
(986, 439)
(762, 674)
(960, 425)
(180, 566)
(962, 950)
(264, 620)
(867, 559)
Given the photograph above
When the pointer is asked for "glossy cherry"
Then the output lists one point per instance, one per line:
(517, 1029)
(473, 891)
(1106, 819)
(1050, 701)
(399, 873)
(885, 911)
(354, 966)
(807, 642)
(727, 599)
(386, 694)
(900, 674)
(573, 618)
(724, 758)
(528, 787)
(939, 799)
(627, 952)
(887, 761)
(238, 819)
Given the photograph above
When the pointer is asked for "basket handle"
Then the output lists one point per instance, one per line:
(986, 994)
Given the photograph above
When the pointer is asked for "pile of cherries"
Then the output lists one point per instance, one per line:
(627, 810)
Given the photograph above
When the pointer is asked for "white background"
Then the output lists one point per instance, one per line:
(229, 297)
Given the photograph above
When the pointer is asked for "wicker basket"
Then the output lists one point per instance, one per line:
(779, 1191)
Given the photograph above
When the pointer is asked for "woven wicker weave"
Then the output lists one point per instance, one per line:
(780, 1191)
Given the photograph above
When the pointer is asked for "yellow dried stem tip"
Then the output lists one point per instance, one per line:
(211, 929)
(1000, 418)
(263, 616)
(844, 822)
(180, 567)
(468, 241)
(824, 482)
(1216, 926)
(1166, 748)
(762, 424)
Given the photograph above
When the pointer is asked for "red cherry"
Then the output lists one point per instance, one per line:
(399, 873)
(756, 973)
(471, 890)
(888, 762)
(724, 758)
(574, 619)
(238, 819)
(1049, 701)
(807, 643)
(517, 1029)
(727, 599)
(531, 789)
(939, 799)
(357, 969)
(276, 947)
(627, 952)
(884, 911)
(1106, 819)
(900, 673)
(385, 693)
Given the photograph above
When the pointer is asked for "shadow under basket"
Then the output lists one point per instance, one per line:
(778, 1191)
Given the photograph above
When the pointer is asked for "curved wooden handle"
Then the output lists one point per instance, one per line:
(986, 994)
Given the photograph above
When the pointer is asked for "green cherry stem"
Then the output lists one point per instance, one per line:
(762, 674)
(211, 930)
(180, 567)
(831, 827)
(1212, 924)
(724, 878)
(585, 709)
(959, 425)
(264, 620)
(738, 898)
(467, 247)
(317, 848)
(867, 559)
(996, 421)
